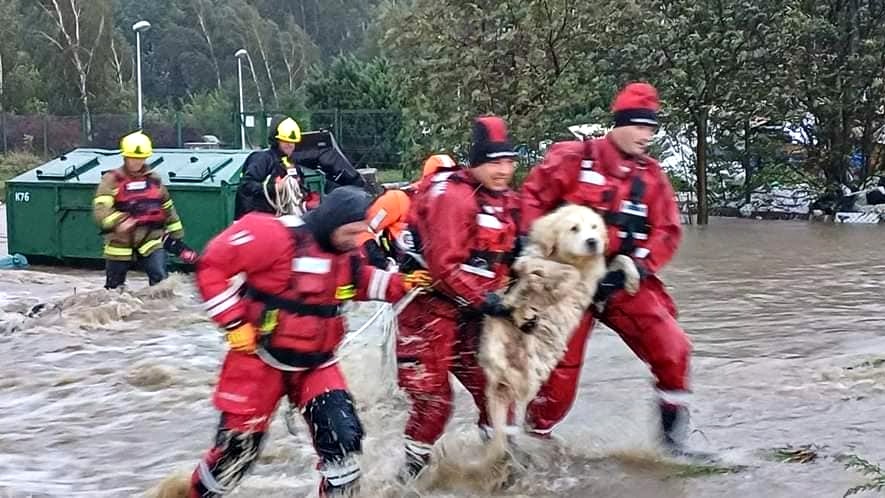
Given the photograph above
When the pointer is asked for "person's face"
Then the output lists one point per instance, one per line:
(633, 140)
(494, 175)
(347, 237)
(133, 165)
(286, 147)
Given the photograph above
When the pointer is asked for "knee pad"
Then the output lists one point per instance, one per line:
(227, 463)
(337, 431)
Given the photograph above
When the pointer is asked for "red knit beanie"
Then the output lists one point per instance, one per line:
(491, 141)
(636, 104)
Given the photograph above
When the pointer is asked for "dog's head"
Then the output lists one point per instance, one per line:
(570, 234)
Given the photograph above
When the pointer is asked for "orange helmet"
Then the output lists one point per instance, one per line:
(437, 162)
(388, 209)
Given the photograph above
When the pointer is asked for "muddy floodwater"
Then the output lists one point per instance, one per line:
(103, 394)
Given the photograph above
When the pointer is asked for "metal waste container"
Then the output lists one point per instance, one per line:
(49, 208)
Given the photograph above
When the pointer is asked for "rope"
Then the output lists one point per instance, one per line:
(289, 197)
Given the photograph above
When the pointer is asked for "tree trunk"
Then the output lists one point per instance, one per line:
(701, 171)
(747, 163)
(273, 86)
(201, 18)
(257, 84)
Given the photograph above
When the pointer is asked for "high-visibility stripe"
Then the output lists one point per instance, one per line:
(168, 204)
(317, 266)
(482, 272)
(681, 398)
(223, 306)
(112, 219)
(378, 284)
(377, 219)
(489, 221)
(175, 226)
(148, 246)
(343, 472)
(110, 250)
(103, 200)
(418, 449)
(232, 290)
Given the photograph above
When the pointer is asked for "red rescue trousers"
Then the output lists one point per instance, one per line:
(247, 395)
(647, 324)
(435, 338)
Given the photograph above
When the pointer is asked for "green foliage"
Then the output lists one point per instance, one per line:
(12, 165)
(367, 111)
(722, 68)
(213, 113)
(530, 62)
(874, 473)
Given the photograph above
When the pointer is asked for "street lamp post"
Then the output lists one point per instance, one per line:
(240, 55)
(138, 28)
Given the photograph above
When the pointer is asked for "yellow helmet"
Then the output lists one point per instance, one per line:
(136, 145)
(288, 131)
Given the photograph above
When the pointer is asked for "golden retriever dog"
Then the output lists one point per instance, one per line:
(556, 279)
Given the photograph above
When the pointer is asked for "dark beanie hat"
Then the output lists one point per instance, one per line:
(636, 104)
(491, 141)
(342, 206)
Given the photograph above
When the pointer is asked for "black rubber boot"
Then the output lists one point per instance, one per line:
(411, 468)
(674, 424)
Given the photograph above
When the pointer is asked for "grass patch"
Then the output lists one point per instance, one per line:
(689, 470)
(875, 363)
(14, 164)
(680, 468)
(798, 454)
(390, 175)
(873, 472)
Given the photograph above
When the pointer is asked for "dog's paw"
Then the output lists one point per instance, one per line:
(631, 273)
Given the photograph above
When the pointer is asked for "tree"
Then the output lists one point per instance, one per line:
(706, 57)
(336, 27)
(8, 44)
(837, 76)
(521, 60)
(78, 29)
(372, 132)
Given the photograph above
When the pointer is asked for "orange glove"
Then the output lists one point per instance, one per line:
(242, 337)
(417, 278)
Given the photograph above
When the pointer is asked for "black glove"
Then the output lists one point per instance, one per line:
(518, 246)
(177, 247)
(492, 306)
(375, 254)
(611, 283)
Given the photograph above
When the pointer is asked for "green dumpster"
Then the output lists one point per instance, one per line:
(49, 208)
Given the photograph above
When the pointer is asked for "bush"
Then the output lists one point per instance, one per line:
(14, 164)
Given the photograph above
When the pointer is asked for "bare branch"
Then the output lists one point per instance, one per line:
(201, 18)
(51, 39)
(118, 65)
(261, 51)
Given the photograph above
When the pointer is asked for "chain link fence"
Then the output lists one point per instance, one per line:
(369, 138)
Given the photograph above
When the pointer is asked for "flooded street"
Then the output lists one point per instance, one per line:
(104, 394)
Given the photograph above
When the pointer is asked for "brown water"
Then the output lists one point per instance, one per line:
(104, 394)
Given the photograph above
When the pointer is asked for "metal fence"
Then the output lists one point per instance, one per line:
(367, 137)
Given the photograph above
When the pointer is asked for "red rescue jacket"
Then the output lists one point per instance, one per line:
(465, 234)
(634, 196)
(271, 272)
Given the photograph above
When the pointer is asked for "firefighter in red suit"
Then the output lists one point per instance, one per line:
(464, 227)
(388, 238)
(282, 317)
(615, 176)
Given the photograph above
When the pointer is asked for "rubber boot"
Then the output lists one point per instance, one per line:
(674, 423)
(417, 459)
